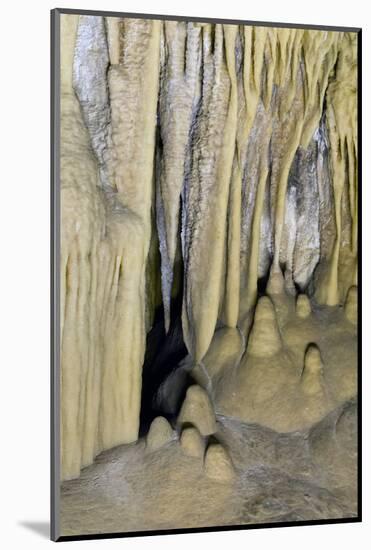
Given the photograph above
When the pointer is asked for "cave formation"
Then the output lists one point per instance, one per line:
(208, 267)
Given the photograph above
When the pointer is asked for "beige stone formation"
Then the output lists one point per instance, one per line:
(218, 465)
(223, 355)
(268, 390)
(198, 410)
(276, 476)
(192, 443)
(312, 376)
(105, 235)
(351, 309)
(160, 433)
(303, 307)
(204, 164)
(342, 128)
(276, 282)
(209, 214)
(264, 338)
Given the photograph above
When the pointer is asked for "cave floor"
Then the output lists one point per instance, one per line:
(304, 475)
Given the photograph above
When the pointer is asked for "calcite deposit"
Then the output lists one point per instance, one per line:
(209, 214)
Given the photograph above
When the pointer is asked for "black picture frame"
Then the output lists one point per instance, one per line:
(55, 276)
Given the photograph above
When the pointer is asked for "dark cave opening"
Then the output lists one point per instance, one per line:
(162, 379)
(262, 283)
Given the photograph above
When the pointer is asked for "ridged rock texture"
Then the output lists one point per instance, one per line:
(217, 161)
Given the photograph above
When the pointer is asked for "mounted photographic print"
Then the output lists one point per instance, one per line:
(205, 213)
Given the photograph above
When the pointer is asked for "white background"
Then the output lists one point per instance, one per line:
(24, 270)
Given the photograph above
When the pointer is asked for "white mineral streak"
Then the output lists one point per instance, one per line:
(90, 84)
(232, 150)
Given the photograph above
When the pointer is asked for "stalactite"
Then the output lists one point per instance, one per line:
(179, 92)
(341, 122)
(233, 173)
(206, 198)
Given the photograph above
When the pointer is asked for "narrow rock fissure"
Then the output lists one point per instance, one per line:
(164, 353)
(164, 382)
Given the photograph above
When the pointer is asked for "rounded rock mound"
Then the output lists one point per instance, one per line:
(198, 411)
(218, 465)
(160, 433)
(192, 443)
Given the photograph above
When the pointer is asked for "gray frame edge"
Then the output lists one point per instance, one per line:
(55, 275)
(103, 13)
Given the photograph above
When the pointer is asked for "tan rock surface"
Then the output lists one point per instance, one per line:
(192, 443)
(218, 465)
(160, 433)
(198, 410)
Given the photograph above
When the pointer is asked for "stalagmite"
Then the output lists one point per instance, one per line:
(312, 376)
(197, 410)
(160, 433)
(264, 339)
(192, 443)
(218, 465)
